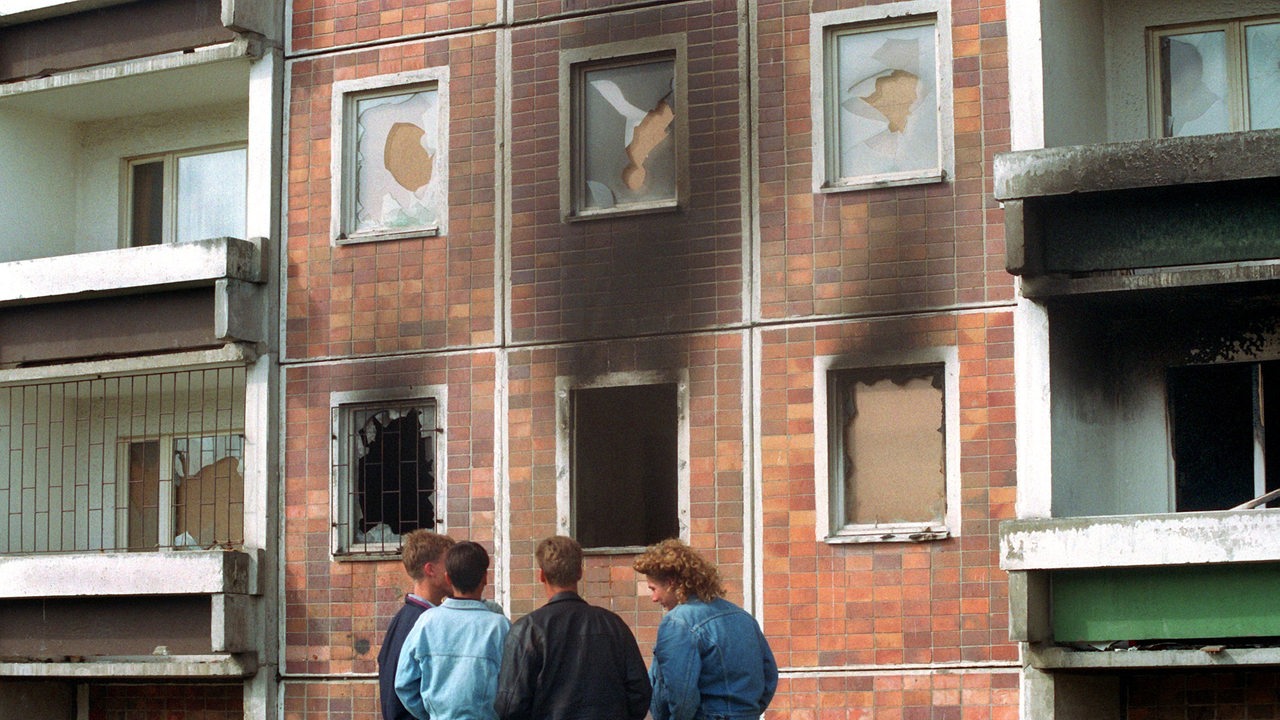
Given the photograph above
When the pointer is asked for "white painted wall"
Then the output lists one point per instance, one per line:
(37, 186)
(1075, 79)
(106, 143)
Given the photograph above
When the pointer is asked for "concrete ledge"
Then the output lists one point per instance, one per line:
(138, 667)
(174, 572)
(1171, 277)
(1137, 164)
(129, 270)
(1140, 540)
(1062, 658)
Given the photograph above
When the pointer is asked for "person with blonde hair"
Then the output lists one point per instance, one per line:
(711, 660)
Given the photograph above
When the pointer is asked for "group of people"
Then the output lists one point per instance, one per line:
(451, 655)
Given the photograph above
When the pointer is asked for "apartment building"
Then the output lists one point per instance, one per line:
(729, 271)
(1141, 217)
(139, 195)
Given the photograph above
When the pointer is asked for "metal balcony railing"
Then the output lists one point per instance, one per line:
(139, 462)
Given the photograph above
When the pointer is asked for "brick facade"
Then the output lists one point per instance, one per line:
(754, 277)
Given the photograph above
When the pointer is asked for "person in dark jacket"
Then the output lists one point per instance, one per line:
(569, 660)
(423, 555)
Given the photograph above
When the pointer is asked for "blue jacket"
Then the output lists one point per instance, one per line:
(448, 668)
(711, 662)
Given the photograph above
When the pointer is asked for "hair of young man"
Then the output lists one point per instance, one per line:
(690, 575)
(420, 547)
(560, 559)
(466, 563)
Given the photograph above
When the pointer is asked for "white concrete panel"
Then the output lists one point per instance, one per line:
(37, 186)
(122, 574)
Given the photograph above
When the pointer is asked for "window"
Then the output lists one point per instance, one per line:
(884, 105)
(1219, 77)
(625, 142)
(1222, 454)
(390, 174)
(623, 453)
(890, 451)
(385, 470)
(185, 491)
(186, 196)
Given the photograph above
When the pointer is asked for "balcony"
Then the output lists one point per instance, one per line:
(1143, 214)
(1143, 592)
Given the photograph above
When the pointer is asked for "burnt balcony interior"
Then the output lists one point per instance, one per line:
(1160, 399)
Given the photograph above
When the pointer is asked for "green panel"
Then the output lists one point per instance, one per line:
(1157, 227)
(1193, 602)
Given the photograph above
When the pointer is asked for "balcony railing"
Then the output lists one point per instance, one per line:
(138, 462)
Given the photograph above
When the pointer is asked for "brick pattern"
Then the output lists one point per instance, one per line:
(885, 250)
(941, 695)
(334, 24)
(1204, 696)
(395, 295)
(166, 702)
(663, 272)
(714, 364)
(351, 700)
(336, 612)
(887, 603)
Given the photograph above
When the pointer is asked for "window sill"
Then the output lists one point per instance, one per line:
(897, 533)
(359, 238)
(883, 181)
(623, 211)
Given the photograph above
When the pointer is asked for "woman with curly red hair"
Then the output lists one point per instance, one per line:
(711, 661)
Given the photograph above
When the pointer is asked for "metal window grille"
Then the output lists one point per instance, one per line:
(385, 466)
(140, 462)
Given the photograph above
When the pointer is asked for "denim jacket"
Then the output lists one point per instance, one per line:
(448, 667)
(711, 662)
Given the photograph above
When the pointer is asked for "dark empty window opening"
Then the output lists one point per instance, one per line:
(1222, 454)
(392, 490)
(625, 465)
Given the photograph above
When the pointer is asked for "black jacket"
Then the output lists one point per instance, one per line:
(568, 660)
(389, 657)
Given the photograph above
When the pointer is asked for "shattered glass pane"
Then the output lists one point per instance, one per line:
(893, 454)
(1195, 75)
(211, 195)
(398, 183)
(208, 475)
(888, 101)
(629, 130)
(393, 490)
(1262, 43)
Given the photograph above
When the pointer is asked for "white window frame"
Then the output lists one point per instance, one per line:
(341, 463)
(1237, 70)
(344, 168)
(169, 213)
(828, 498)
(573, 63)
(823, 29)
(565, 385)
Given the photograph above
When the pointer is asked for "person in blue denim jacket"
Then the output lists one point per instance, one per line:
(711, 662)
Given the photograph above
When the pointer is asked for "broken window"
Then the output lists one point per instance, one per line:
(882, 107)
(625, 147)
(397, 144)
(1219, 77)
(887, 449)
(625, 457)
(185, 196)
(185, 492)
(386, 474)
(1222, 454)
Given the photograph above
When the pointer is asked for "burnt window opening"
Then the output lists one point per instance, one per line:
(888, 442)
(391, 466)
(1222, 454)
(625, 455)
